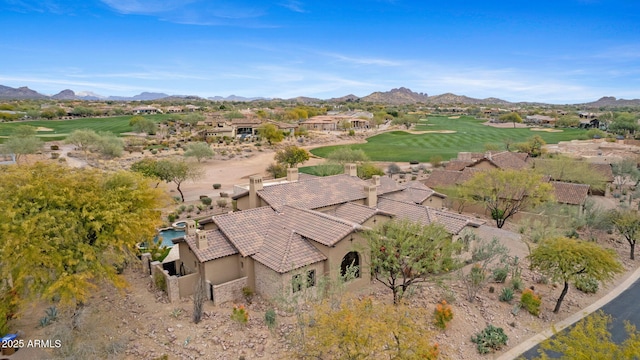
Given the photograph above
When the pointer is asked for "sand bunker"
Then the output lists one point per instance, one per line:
(431, 132)
(546, 130)
(453, 117)
(42, 128)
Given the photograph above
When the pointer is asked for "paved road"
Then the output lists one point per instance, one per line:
(624, 307)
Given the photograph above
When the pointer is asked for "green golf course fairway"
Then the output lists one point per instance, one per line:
(469, 135)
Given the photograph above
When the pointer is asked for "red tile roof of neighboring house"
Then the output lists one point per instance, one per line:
(603, 168)
(217, 246)
(507, 160)
(569, 193)
(457, 165)
(442, 178)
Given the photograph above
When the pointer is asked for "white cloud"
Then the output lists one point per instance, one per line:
(293, 5)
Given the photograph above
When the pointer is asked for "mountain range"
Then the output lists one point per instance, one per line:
(399, 96)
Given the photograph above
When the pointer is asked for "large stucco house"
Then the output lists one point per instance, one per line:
(288, 234)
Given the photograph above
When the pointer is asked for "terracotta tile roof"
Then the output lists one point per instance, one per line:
(442, 178)
(353, 212)
(246, 229)
(507, 160)
(467, 174)
(416, 196)
(388, 185)
(452, 222)
(315, 193)
(603, 168)
(568, 193)
(217, 246)
(314, 225)
(457, 165)
(284, 250)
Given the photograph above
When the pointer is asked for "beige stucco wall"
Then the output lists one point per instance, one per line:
(336, 253)
(246, 268)
(243, 202)
(278, 287)
(187, 284)
(484, 165)
(221, 270)
(435, 202)
(188, 258)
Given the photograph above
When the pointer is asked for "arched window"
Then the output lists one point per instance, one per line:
(350, 265)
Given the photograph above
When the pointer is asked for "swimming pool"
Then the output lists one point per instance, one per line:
(167, 235)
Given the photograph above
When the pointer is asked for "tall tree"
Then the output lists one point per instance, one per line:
(404, 253)
(23, 142)
(506, 192)
(83, 139)
(199, 150)
(564, 259)
(291, 155)
(177, 172)
(513, 117)
(271, 133)
(590, 339)
(65, 230)
(627, 222)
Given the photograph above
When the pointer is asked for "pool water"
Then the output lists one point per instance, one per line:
(169, 234)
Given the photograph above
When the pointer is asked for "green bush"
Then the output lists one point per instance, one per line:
(171, 217)
(587, 284)
(160, 281)
(217, 186)
(516, 283)
(490, 339)
(500, 274)
(506, 295)
(270, 318)
(531, 302)
(206, 200)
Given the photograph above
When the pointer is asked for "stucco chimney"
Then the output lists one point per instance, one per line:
(292, 174)
(191, 227)
(487, 155)
(201, 239)
(351, 169)
(376, 180)
(255, 184)
(371, 192)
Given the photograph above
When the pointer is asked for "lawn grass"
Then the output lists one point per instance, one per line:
(62, 128)
(470, 135)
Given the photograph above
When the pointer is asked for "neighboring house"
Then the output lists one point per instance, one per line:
(173, 109)
(570, 194)
(290, 233)
(539, 119)
(246, 126)
(147, 109)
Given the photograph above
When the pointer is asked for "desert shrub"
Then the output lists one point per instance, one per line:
(442, 314)
(531, 302)
(490, 339)
(516, 283)
(206, 201)
(352, 132)
(393, 169)
(587, 284)
(506, 295)
(240, 315)
(160, 281)
(277, 170)
(270, 318)
(499, 274)
(247, 292)
(55, 147)
(171, 217)
(367, 170)
(222, 203)
(217, 186)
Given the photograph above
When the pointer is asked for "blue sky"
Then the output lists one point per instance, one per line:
(564, 51)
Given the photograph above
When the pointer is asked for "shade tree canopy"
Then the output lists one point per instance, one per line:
(506, 192)
(66, 230)
(566, 260)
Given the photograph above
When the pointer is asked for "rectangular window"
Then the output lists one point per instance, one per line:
(296, 283)
(311, 278)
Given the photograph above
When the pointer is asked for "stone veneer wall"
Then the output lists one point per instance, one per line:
(229, 291)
